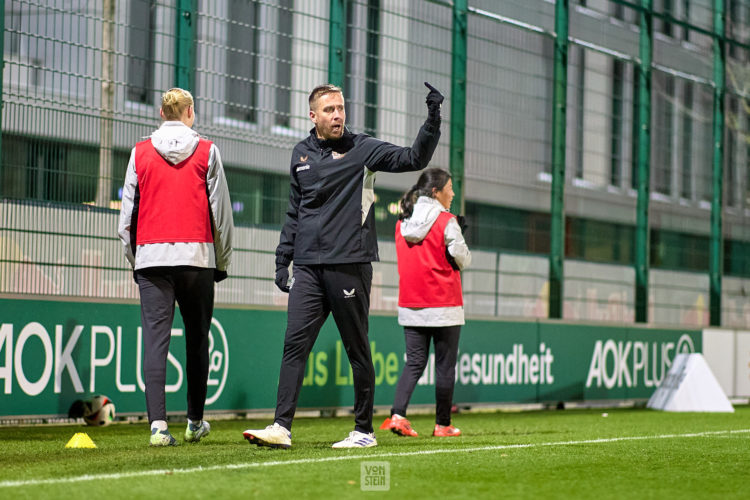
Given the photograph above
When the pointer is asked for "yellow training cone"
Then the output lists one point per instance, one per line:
(80, 440)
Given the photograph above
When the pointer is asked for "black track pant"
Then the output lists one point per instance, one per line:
(193, 289)
(341, 289)
(417, 354)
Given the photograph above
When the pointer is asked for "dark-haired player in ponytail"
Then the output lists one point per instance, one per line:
(431, 253)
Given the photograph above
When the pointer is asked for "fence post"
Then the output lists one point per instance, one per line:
(184, 47)
(716, 252)
(643, 160)
(458, 103)
(106, 114)
(2, 70)
(497, 284)
(557, 209)
(336, 41)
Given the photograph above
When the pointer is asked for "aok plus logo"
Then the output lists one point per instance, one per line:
(218, 361)
(633, 363)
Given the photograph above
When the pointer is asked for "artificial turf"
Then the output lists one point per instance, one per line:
(612, 453)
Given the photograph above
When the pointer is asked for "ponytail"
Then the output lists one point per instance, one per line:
(407, 202)
(431, 180)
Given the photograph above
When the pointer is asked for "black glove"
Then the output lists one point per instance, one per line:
(451, 260)
(219, 275)
(282, 277)
(434, 100)
(462, 223)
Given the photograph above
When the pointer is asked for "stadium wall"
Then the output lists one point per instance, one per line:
(728, 354)
(54, 352)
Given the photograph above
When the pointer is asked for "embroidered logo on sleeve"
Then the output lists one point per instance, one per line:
(348, 294)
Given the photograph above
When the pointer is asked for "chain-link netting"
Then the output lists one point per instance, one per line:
(82, 83)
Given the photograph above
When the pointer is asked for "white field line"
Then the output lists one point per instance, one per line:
(368, 456)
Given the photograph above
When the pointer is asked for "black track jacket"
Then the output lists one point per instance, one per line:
(330, 219)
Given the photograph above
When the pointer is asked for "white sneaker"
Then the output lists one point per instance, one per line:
(357, 439)
(273, 436)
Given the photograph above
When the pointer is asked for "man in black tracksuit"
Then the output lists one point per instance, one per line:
(329, 234)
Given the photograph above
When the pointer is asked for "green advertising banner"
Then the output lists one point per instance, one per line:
(625, 362)
(52, 353)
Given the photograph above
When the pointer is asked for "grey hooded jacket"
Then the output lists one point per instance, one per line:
(175, 141)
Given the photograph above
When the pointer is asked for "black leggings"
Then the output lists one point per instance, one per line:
(418, 338)
(193, 289)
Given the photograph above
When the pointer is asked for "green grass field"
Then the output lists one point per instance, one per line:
(630, 453)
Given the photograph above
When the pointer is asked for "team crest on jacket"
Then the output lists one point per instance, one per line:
(336, 155)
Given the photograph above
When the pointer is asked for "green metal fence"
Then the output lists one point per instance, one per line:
(599, 148)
